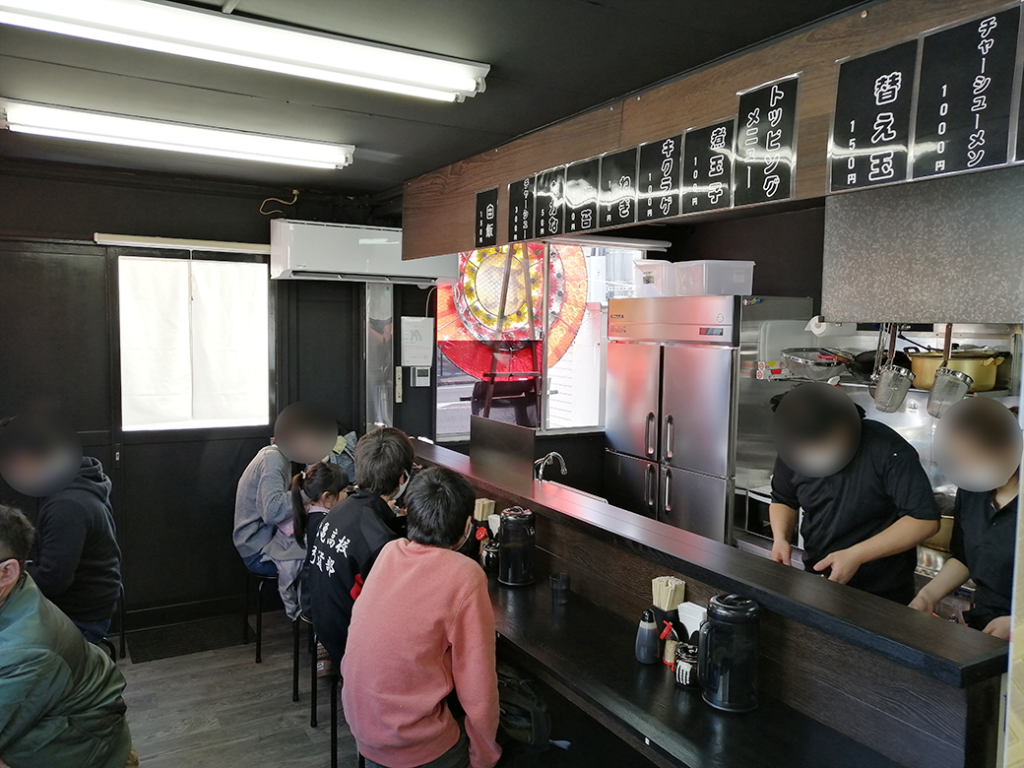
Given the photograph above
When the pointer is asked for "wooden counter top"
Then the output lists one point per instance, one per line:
(586, 653)
(952, 654)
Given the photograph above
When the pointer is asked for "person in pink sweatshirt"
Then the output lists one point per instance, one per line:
(422, 627)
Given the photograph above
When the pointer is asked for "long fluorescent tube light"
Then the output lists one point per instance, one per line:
(66, 123)
(214, 36)
(610, 241)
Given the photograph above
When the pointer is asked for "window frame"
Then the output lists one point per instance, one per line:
(189, 432)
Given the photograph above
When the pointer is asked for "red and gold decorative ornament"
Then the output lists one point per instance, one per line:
(468, 313)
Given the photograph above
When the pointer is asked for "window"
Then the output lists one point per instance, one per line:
(549, 335)
(194, 343)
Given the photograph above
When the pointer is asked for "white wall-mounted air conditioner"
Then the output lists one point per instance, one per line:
(309, 250)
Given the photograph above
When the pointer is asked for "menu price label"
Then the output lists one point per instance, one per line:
(659, 177)
(486, 218)
(520, 210)
(581, 182)
(549, 203)
(617, 197)
(871, 125)
(707, 167)
(766, 143)
(964, 94)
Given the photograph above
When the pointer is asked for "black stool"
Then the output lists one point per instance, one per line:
(105, 641)
(249, 576)
(335, 681)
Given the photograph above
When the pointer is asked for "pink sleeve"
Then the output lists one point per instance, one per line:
(476, 678)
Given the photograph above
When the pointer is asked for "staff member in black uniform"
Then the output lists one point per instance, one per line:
(867, 501)
(979, 444)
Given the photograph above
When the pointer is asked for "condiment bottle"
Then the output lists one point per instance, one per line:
(648, 645)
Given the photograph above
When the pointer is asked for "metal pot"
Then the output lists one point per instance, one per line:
(979, 364)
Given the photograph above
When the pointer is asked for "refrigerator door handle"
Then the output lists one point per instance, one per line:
(668, 491)
(670, 437)
(649, 438)
(649, 492)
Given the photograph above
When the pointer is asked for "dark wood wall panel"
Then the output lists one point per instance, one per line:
(438, 207)
(901, 713)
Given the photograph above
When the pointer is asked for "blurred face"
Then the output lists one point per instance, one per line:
(800, 413)
(305, 433)
(39, 475)
(969, 461)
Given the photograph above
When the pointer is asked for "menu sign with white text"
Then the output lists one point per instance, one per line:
(617, 198)
(658, 184)
(871, 125)
(520, 210)
(766, 143)
(486, 218)
(549, 204)
(581, 182)
(707, 167)
(964, 93)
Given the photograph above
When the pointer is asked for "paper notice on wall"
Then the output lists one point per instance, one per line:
(418, 341)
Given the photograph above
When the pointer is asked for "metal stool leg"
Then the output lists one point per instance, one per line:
(259, 621)
(295, 660)
(362, 762)
(245, 611)
(312, 678)
(334, 722)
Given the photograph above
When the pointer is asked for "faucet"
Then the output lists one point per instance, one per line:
(548, 460)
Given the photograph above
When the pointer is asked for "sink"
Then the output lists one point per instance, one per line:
(554, 484)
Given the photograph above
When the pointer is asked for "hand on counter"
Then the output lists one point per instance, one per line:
(923, 603)
(782, 552)
(843, 562)
(999, 628)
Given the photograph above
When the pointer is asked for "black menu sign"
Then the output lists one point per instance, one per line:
(617, 198)
(659, 179)
(707, 167)
(486, 218)
(964, 94)
(550, 203)
(871, 125)
(581, 181)
(520, 210)
(766, 143)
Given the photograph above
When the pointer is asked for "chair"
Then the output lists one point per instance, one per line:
(261, 581)
(105, 641)
(335, 681)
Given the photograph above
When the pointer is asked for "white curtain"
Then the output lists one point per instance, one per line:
(194, 343)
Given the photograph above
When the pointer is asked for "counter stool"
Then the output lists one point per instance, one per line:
(121, 640)
(261, 581)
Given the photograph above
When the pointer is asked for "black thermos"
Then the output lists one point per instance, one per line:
(518, 542)
(727, 656)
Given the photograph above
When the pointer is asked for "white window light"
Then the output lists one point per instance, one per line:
(66, 123)
(214, 36)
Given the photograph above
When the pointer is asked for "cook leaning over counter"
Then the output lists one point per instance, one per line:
(866, 498)
(979, 447)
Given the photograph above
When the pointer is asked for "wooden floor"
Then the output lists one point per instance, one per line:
(219, 709)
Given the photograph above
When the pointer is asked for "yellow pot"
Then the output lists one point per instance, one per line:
(980, 365)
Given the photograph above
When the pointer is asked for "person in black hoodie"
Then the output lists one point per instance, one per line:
(78, 562)
(345, 546)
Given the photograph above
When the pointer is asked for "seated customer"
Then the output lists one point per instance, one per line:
(396, 685)
(60, 697)
(352, 534)
(76, 563)
(314, 491)
(262, 501)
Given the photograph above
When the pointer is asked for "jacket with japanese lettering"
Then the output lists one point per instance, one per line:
(341, 554)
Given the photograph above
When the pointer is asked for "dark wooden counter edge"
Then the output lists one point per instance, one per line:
(951, 653)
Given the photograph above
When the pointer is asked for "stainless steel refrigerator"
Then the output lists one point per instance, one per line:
(673, 393)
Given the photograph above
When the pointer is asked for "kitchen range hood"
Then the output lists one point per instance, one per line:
(310, 250)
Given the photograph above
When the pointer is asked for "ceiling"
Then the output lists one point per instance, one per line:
(549, 59)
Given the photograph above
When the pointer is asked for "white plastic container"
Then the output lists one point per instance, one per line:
(653, 277)
(714, 278)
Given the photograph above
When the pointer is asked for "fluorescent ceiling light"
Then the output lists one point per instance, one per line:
(65, 123)
(214, 36)
(609, 241)
(218, 246)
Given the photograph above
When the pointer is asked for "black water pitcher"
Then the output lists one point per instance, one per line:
(518, 544)
(727, 656)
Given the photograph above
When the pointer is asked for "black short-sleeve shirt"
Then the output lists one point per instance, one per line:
(883, 482)
(984, 539)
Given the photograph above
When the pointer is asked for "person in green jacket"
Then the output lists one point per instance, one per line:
(60, 696)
